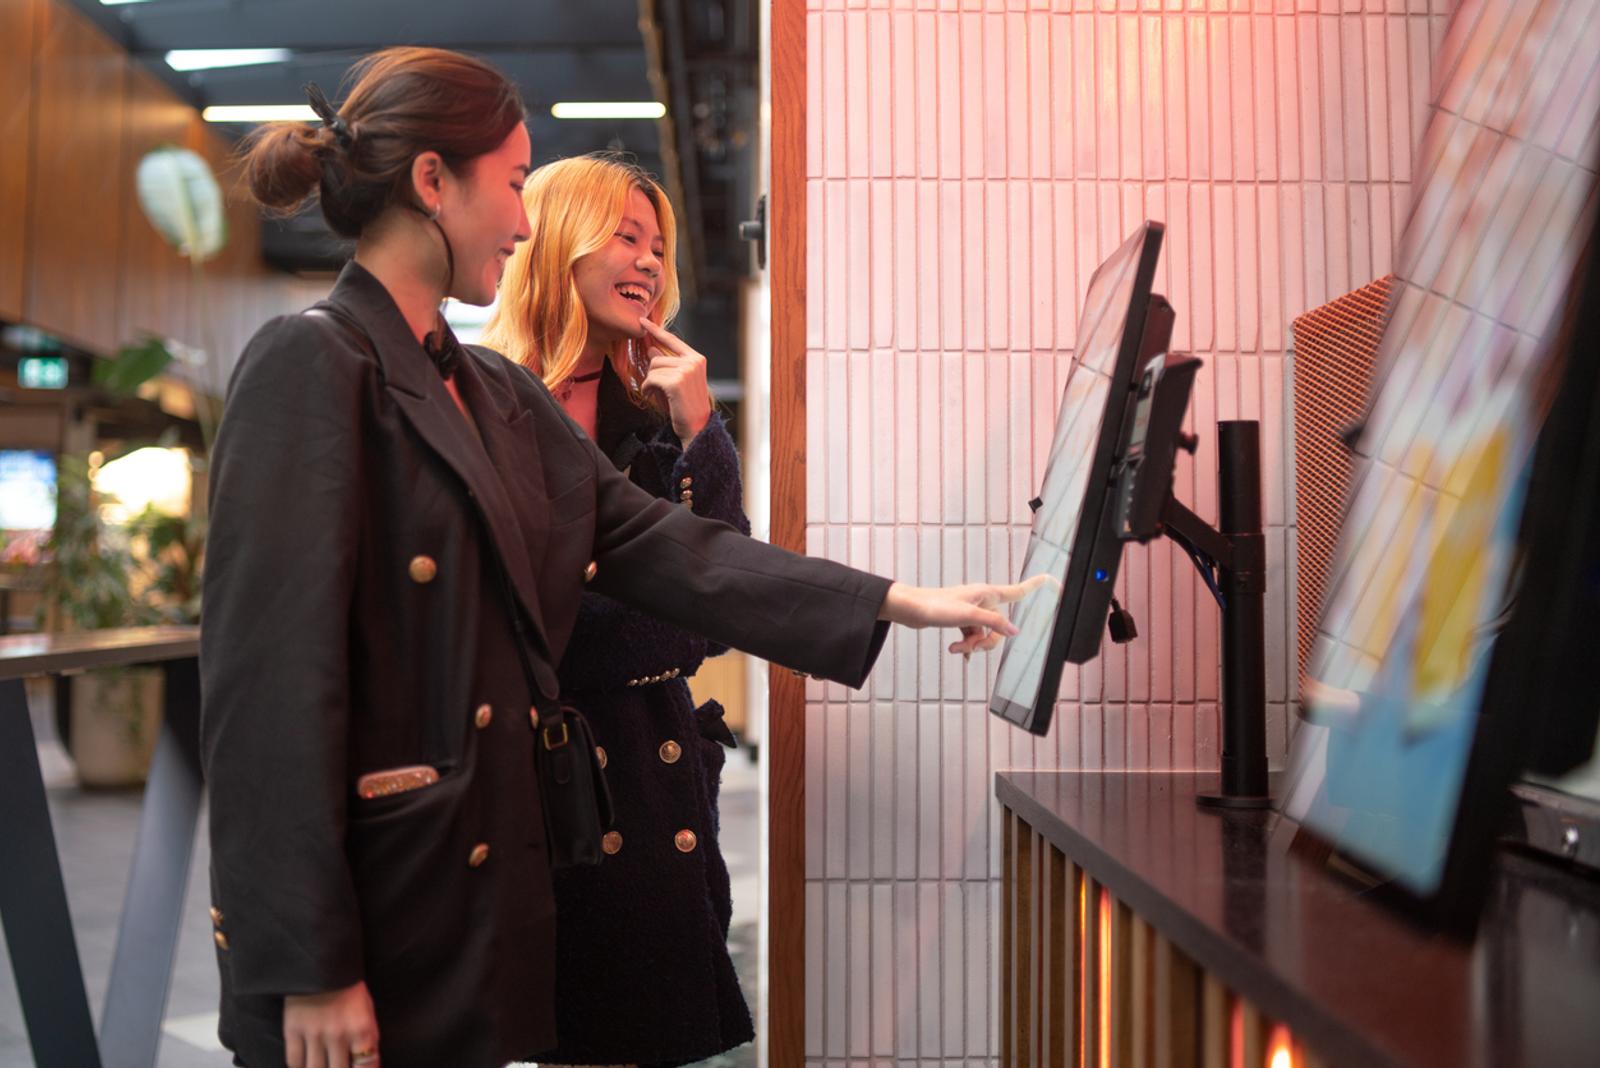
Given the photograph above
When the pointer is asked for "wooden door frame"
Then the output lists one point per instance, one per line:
(785, 742)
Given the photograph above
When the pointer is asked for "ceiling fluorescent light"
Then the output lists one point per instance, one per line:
(114, 3)
(212, 58)
(609, 109)
(259, 113)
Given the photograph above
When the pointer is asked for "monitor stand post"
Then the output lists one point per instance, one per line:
(1232, 561)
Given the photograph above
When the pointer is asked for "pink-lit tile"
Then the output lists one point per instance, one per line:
(835, 90)
(953, 977)
(856, 398)
(1130, 109)
(817, 262)
(1107, 112)
(1006, 238)
(930, 789)
(879, 89)
(835, 405)
(1083, 97)
(1219, 68)
(930, 442)
(1011, 30)
(816, 439)
(903, 230)
(1286, 86)
(1243, 76)
(1316, 235)
(1270, 266)
(859, 298)
(950, 91)
(836, 791)
(975, 433)
(816, 725)
(1152, 99)
(1068, 236)
(1277, 459)
(1265, 78)
(1041, 269)
(930, 942)
(1202, 270)
(953, 255)
(1175, 98)
(907, 456)
(1058, 117)
(1225, 274)
(905, 790)
(932, 94)
(816, 967)
(858, 97)
(884, 304)
(978, 244)
(906, 91)
(927, 270)
(835, 219)
(1308, 66)
(816, 99)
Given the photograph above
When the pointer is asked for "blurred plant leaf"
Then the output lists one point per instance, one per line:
(133, 365)
(181, 198)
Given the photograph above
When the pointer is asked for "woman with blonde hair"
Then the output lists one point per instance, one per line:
(643, 974)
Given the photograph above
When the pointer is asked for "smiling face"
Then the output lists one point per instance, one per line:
(485, 219)
(620, 282)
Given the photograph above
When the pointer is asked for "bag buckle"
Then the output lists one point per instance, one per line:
(565, 736)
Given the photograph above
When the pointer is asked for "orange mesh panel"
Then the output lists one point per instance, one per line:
(1335, 347)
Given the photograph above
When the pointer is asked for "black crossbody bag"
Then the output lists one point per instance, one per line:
(574, 795)
(572, 785)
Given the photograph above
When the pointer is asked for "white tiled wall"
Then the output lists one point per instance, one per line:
(969, 164)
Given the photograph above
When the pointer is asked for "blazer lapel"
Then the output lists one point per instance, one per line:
(421, 396)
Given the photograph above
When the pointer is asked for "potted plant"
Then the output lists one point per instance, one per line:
(108, 719)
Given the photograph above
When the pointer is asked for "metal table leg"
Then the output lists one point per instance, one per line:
(152, 912)
(33, 901)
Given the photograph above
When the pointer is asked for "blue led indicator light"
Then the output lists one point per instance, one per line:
(1099, 574)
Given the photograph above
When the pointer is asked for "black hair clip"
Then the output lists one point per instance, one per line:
(329, 116)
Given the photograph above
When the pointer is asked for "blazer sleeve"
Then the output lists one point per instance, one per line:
(812, 615)
(274, 658)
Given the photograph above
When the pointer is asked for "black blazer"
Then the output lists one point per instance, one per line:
(357, 619)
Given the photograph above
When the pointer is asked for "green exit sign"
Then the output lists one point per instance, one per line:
(42, 372)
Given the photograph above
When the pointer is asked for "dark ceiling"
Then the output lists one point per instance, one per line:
(698, 57)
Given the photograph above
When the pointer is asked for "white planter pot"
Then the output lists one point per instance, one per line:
(116, 718)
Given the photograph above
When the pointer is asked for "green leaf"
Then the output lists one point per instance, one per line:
(133, 365)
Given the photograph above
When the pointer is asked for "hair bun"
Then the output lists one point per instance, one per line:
(283, 162)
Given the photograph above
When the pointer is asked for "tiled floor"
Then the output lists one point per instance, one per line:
(94, 834)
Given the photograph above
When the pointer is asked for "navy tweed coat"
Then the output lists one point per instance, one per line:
(643, 974)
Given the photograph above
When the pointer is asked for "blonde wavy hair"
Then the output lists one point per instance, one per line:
(574, 207)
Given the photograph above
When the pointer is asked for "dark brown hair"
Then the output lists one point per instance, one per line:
(405, 101)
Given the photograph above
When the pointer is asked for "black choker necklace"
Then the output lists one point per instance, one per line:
(443, 349)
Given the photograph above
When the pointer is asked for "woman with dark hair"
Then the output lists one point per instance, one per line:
(401, 531)
(639, 980)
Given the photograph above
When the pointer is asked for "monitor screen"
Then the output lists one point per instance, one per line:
(1424, 570)
(1071, 546)
(27, 490)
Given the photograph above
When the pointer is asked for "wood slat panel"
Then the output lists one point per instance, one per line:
(1022, 952)
(1177, 993)
(1215, 1023)
(1090, 1003)
(1253, 1036)
(1121, 992)
(786, 831)
(1010, 1012)
(17, 46)
(1059, 937)
(79, 182)
(154, 280)
(1142, 984)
